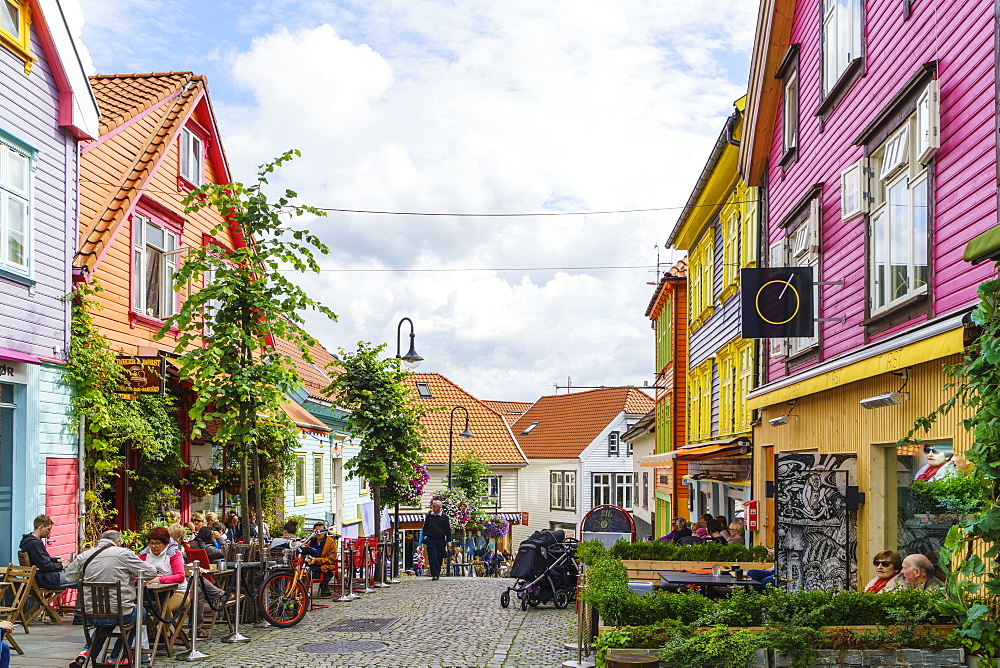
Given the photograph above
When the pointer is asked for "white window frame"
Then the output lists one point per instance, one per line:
(614, 444)
(623, 490)
(192, 157)
(20, 195)
(601, 489)
(493, 487)
(299, 485)
(569, 490)
(319, 476)
(842, 38)
(142, 250)
(555, 490)
(898, 170)
(790, 112)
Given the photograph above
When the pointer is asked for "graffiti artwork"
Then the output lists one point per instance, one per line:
(816, 536)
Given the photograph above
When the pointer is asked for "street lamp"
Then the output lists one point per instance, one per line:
(411, 357)
(451, 436)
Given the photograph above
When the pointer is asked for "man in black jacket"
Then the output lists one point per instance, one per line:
(50, 573)
(437, 535)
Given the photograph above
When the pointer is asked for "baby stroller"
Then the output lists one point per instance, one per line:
(545, 568)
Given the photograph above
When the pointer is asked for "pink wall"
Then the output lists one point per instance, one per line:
(960, 36)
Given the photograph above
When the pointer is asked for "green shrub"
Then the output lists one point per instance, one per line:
(663, 550)
(588, 551)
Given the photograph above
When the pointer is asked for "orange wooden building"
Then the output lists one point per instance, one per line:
(158, 141)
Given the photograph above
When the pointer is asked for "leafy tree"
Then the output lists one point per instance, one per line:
(114, 424)
(385, 416)
(470, 475)
(240, 380)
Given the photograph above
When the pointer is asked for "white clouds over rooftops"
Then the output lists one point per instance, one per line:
(496, 107)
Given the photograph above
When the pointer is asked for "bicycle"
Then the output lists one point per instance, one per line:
(285, 594)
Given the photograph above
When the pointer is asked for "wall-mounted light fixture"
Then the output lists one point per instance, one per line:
(889, 398)
(782, 420)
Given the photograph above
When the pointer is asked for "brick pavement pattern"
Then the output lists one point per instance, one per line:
(449, 623)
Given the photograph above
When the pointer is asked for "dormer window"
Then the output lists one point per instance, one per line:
(530, 427)
(424, 391)
(614, 443)
(192, 157)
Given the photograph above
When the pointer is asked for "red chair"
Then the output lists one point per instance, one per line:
(200, 557)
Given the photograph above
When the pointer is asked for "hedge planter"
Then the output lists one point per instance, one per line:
(914, 658)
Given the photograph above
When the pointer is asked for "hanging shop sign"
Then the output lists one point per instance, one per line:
(143, 375)
(607, 523)
(777, 303)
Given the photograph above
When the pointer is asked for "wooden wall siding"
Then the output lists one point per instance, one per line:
(38, 323)
(62, 504)
(961, 37)
(834, 422)
(533, 496)
(105, 163)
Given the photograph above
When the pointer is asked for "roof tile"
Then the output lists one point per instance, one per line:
(568, 423)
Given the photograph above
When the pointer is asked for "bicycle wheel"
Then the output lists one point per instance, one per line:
(283, 600)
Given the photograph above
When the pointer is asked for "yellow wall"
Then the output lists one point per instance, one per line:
(833, 421)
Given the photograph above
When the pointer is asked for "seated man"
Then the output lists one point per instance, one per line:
(918, 573)
(50, 573)
(108, 561)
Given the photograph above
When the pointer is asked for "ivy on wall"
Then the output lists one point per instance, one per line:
(973, 582)
(116, 426)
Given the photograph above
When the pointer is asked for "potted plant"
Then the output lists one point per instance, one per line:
(201, 482)
(231, 481)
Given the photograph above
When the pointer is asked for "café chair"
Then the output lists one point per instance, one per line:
(100, 601)
(50, 601)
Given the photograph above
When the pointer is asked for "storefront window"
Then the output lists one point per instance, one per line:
(931, 496)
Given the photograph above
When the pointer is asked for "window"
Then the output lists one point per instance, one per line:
(898, 218)
(154, 263)
(744, 383)
(318, 476)
(748, 233)
(493, 487)
(628, 448)
(562, 490)
(613, 488)
(663, 426)
(700, 401)
(300, 478)
(424, 391)
(530, 427)
(701, 280)
(731, 219)
(365, 490)
(665, 334)
(842, 39)
(727, 395)
(602, 489)
(645, 489)
(192, 157)
(799, 248)
(790, 113)
(614, 443)
(16, 166)
(15, 29)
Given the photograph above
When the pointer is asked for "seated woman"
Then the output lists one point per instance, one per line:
(169, 564)
(736, 534)
(679, 529)
(714, 528)
(204, 541)
(887, 564)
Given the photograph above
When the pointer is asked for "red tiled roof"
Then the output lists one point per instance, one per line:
(509, 410)
(315, 376)
(568, 423)
(679, 270)
(491, 439)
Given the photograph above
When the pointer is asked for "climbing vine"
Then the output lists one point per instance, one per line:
(974, 582)
(115, 425)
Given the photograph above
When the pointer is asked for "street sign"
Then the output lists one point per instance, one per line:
(143, 375)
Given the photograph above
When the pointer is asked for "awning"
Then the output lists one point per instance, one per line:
(709, 451)
(303, 419)
(664, 460)
(985, 246)
(18, 356)
(510, 517)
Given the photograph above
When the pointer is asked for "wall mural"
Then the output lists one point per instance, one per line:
(816, 534)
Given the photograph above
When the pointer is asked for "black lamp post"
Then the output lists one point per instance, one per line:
(411, 356)
(451, 436)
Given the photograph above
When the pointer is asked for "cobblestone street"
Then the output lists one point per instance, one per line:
(451, 622)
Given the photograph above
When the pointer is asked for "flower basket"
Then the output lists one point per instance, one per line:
(231, 481)
(495, 527)
(201, 482)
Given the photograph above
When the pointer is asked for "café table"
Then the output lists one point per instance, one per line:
(160, 593)
(703, 580)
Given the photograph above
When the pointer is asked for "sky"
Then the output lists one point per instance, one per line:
(445, 106)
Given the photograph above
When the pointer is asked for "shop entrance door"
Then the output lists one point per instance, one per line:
(816, 505)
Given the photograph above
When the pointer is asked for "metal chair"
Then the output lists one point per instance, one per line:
(101, 602)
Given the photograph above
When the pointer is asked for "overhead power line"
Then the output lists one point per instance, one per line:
(457, 269)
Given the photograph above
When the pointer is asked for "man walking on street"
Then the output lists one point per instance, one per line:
(437, 535)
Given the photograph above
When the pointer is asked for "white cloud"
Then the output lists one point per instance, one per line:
(513, 106)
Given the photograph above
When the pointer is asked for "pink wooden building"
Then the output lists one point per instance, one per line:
(871, 126)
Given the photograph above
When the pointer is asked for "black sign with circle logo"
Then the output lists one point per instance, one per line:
(777, 303)
(607, 519)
